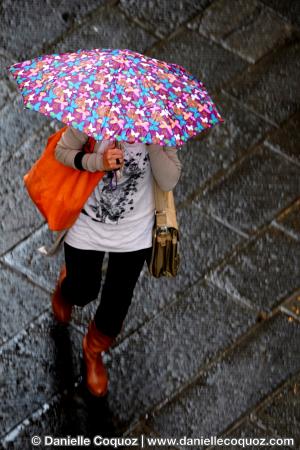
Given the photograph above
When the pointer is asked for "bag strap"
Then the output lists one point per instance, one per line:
(164, 207)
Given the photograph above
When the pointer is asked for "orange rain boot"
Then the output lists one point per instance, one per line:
(93, 344)
(62, 309)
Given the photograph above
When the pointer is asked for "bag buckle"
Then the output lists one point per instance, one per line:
(162, 229)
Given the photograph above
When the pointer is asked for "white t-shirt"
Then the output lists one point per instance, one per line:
(123, 217)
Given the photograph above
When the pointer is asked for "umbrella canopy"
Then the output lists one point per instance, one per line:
(117, 93)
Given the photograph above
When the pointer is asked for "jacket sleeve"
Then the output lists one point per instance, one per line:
(70, 144)
(166, 166)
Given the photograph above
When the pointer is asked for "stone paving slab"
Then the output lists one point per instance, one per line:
(282, 414)
(19, 214)
(286, 139)
(29, 37)
(264, 272)
(147, 367)
(254, 192)
(26, 258)
(248, 29)
(107, 28)
(248, 430)
(206, 66)
(73, 412)
(204, 158)
(288, 9)
(6, 93)
(27, 34)
(24, 123)
(292, 306)
(250, 372)
(270, 87)
(21, 302)
(6, 60)
(40, 361)
(289, 220)
(75, 11)
(158, 17)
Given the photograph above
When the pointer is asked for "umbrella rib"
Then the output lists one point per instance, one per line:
(114, 93)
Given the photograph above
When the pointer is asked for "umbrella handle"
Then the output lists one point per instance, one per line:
(119, 144)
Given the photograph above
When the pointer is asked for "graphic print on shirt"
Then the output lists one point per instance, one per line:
(110, 206)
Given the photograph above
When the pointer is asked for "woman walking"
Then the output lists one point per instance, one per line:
(117, 218)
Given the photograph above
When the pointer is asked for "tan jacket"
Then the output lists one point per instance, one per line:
(165, 164)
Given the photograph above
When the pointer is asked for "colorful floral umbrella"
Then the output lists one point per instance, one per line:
(117, 93)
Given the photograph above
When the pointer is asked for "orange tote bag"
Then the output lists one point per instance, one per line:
(59, 191)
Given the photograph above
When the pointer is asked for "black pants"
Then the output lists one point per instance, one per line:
(83, 282)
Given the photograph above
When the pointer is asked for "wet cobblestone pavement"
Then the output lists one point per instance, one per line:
(214, 351)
